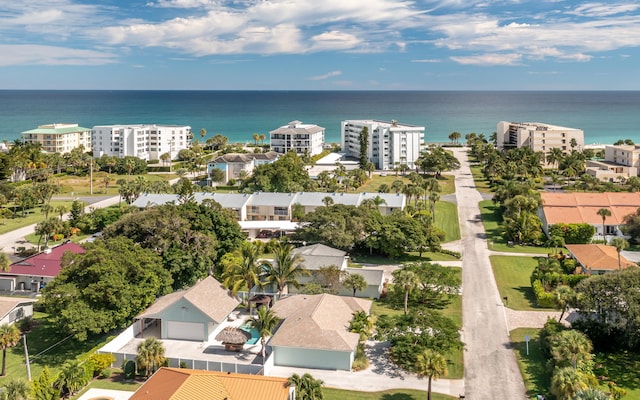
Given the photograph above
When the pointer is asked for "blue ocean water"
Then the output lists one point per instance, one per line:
(604, 116)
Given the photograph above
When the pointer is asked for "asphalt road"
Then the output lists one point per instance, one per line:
(491, 371)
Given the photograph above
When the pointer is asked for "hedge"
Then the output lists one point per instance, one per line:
(543, 298)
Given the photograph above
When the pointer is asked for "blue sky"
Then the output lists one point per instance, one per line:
(320, 44)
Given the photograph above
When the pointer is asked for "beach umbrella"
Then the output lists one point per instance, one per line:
(233, 336)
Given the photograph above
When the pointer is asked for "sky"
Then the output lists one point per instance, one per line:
(320, 44)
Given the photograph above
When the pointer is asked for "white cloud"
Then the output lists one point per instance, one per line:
(52, 55)
(489, 59)
(604, 9)
(427, 60)
(325, 76)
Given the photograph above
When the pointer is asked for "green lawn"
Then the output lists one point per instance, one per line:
(79, 185)
(47, 346)
(446, 218)
(399, 394)
(447, 184)
(33, 216)
(623, 369)
(491, 219)
(478, 177)
(372, 185)
(411, 257)
(533, 366)
(513, 275)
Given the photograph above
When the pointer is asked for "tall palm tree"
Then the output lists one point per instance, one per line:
(620, 244)
(245, 272)
(9, 337)
(203, 133)
(16, 390)
(554, 156)
(72, 377)
(432, 365)
(407, 280)
(563, 295)
(265, 323)
(567, 381)
(572, 346)
(150, 355)
(256, 137)
(286, 267)
(356, 282)
(604, 213)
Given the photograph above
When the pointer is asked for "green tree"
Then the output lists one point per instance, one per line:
(9, 337)
(43, 386)
(307, 387)
(431, 365)
(105, 287)
(216, 175)
(591, 394)
(150, 356)
(73, 376)
(604, 213)
(286, 267)
(287, 174)
(362, 324)
(454, 136)
(5, 262)
(572, 347)
(356, 282)
(567, 381)
(265, 323)
(363, 140)
(244, 269)
(16, 389)
(48, 228)
(620, 244)
(407, 280)
(564, 295)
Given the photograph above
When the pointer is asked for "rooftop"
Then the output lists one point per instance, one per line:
(53, 129)
(44, 264)
(583, 207)
(598, 257)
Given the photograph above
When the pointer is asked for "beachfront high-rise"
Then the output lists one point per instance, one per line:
(147, 142)
(389, 143)
(302, 138)
(538, 136)
(59, 138)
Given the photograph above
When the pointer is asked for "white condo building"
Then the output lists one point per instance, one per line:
(302, 138)
(59, 138)
(538, 136)
(389, 142)
(147, 142)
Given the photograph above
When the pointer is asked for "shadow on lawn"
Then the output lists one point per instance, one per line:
(534, 365)
(622, 368)
(397, 396)
(527, 293)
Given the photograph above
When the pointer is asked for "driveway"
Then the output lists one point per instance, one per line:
(491, 371)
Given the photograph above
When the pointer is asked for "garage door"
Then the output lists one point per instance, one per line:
(6, 284)
(185, 330)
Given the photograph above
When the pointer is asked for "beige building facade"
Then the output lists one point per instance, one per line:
(538, 136)
(59, 138)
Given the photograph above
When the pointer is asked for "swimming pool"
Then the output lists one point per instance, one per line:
(255, 335)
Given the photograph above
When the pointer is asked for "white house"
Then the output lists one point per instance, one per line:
(232, 164)
(304, 139)
(147, 142)
(389, 143)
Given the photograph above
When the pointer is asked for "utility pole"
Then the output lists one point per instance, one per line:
(91, 176)
(26, 357)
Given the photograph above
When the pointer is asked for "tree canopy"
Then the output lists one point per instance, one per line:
(287, 174)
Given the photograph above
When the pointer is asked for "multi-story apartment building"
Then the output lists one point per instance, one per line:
(147, 142)
(304, 139)
(389, 143)
(59, 138)
(620, 162)
(538, 136)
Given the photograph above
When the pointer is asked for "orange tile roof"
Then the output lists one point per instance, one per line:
(572, 208)
(598, 257)
(189, 384)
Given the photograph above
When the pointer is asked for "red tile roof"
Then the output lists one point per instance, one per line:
(189, 384)
(574, 208)
(598, 257)
(45, 263)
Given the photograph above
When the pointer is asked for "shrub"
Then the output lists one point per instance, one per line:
(129, 369)
(543, 298)
(99, 361)
(360, 361)
(451, 253)
(105, 373)
(551, 328)
(183, 364)
(573, 233)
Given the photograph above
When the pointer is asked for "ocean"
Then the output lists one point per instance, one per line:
(604, 116)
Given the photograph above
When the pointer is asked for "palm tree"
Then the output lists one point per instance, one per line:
(620, 244)
(262, 138)
(356, 282)
(432, 365)
(563, 296)
(150, 355)
(285, 268)
(567, 381)
(9, 337)
(407, 280)
(16, 390)
(72, 377)
(106, 181)
(203, 133)
(604, 213)
(5, 262)
(307, 387)
(554, 156)
(571, 345)
(245, 272)
(265, 323)
(256, 137)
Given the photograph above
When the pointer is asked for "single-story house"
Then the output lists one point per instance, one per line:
(13, 309)
(183, 383)
(318, 256)
(191, 314)
(315, 331)
(374, 279)
(34, 272)
(597, 259)
(232, 164)
(573, 208)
